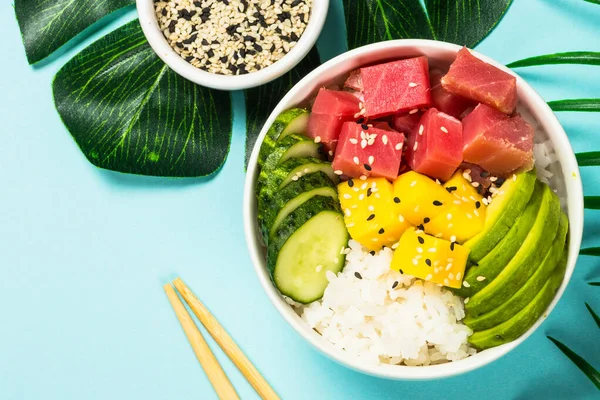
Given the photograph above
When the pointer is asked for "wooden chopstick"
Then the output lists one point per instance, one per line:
(226, 342)
(207, 359)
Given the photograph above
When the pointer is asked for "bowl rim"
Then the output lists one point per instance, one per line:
(550, 124)
(163, 49)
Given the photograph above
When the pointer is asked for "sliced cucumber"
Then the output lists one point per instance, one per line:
(290, 121)
(271, 203)
(306, 246)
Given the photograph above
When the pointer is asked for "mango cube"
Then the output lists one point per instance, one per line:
(420, 199)
(370, 212)
(430, 258)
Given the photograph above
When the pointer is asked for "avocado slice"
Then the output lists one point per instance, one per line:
(524, 319)
(501, 214)
(492, 264)
(524, 296)
(523, 265)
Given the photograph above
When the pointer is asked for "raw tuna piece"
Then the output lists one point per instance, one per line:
(396, 87)
(435, 145)
(498, 143)
(331, 109)
(405, 123)
(370, 152)
(445, 101)
(477, 80)
(354, 81)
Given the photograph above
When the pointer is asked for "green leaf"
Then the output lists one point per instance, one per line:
(573, 57)
(47, 25)
(261, 101)
(457, 21)
(596, 318)
(583, 365)
(128, 112)
(588, 159)
(592, 202)
(575, 105)
(590, 251)
(594, 283)
(593, 1)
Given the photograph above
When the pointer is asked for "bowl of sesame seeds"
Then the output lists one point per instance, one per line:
(232, 44)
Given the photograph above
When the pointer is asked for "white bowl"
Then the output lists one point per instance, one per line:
(437, 52)
(163, 49)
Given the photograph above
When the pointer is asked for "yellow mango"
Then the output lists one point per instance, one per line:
(419, 199)
(370, 213)
(432, 259)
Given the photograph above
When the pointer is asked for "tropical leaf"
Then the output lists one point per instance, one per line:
(596, 318)
(593, 1)
(572, 57)
(575, 105)
(592, 202)
(128, 112)
(583, 365)
(47, 25)
(588, 159)
(590, 251)
(459, 21)
(261, 101)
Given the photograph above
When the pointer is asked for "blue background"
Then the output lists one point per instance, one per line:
(84, 252)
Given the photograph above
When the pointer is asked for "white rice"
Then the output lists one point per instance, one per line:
(416, 323)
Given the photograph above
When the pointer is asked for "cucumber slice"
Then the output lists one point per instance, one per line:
(273, 202)
(305, 247)
(290, 121)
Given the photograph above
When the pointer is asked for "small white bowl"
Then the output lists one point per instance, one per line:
(442, 53)
(163, 49)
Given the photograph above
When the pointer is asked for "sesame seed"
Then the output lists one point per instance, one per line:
(367, 167)
(446, 281)
(319, 268)
(353, 141)
(458, 276)
(295, 178)
(426, 220)
(477, 204)
(381, 231)
(451, 189)
(451, 275)
(372, 252)
(421, 240)
(370, 217)
(428, 262)
(350, 182)
(400, 218)
(394, 284)
(358, 275)
(443, 129)
(356, 160)
(469, 216)
(369, 192)
(330, 153)
(466, 284)
(467, 299)
(350, 225)
(514, 177)
(415, 261)
(453, 238)
(413, 183)
(452, 246)
(428, 277)
(417, 208)
(437, 203)
(481, 278)
(432, 250)
(371, 208)
(338, 172)
(363, 177)
(412, 84)
(384, 139)
(457, 202)
(493, 178)
(421, 129)
(317, 139)
(419, 249)
(348, 212)
(347, 196)
(448, 267)
(475, 184)
(413, 111)
(449, 217)
(371, 160)
(361, 196)
(415, 146)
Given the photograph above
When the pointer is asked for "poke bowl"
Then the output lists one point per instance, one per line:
(413, 209)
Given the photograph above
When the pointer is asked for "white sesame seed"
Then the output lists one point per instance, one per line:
(384, 139)
(361, 196)
(338, 172)
(421, 129)
(364, 186)
(417, 208)
(476, 213)
(347, 196)
(413, 183)
(412, 84)
(514, 177)
(356, 160)
(453, 238)
(457, 202)
(330, 152)
(353, 141)
(446, 282)
(448, 267)
(443, 129)
(415, 261)
(494, 178)
(363, 178)
(415, 146)
(348, 212)
(449, 217)
(295, 178)
(458, 276)
(432, 250)
(481, 278)
(467, 299)
(428, 277)
(466, 284)
(319, 268)
(419, 250)
(371, 208)
(469, 216)
(475, 184)
(413, 111)
(363, 143)
(317, 139)
(399, 146)
(371, 160)
(350, 225)
(400, 218)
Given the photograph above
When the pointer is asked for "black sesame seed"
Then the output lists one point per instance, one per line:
(372, 252)
(428, 262)
(189, 58)
(242, 70)
(296, 2)
(370, 217)
(249, 39)
(400, 270)
(437, 203)
(451, 189)
(164, 12)
(500, 181)
(358, 275)
(191, 39)
(350, 182)
(394, 285)
(210, 53)
(257, 47)
(477, 204)
(364, 126)
(426, 220)
(369, 192)
(172, 25)
(360, 121)
(223, 59)
(421, 240)
(484, 174)
(420, 227)
(278, 30)
(367, 167)
(243, 53)
(198, 4)
(250, 52)
(233, 68)
(206, 10)
(396, 200)
(381, 231)
(452, 246)
(226, 2)
(205, 42)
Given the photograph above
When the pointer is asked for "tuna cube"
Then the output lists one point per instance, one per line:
(435, 145)
(331, 109)
(405, 123)
(498, 143)
(354, 81)
(477, 80)
(445, 101)
(396, 87)
(368, 151)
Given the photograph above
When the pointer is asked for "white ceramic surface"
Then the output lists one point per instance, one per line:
(159, 43)
(442, 53)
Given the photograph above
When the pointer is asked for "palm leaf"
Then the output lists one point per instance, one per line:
(590, 251)
(572, 57)
(591, 202)
(583, 365)
(588, 159)
(596, 318)
(575, 105)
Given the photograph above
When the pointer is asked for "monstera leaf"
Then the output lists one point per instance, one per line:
(47, 25)
(463, 22)
(261, 101)
(129, 112)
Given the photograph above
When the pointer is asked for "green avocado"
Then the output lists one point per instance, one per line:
(525, 262)
(492, 264)
(524, 319)
(556, 255)
(502, 213)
